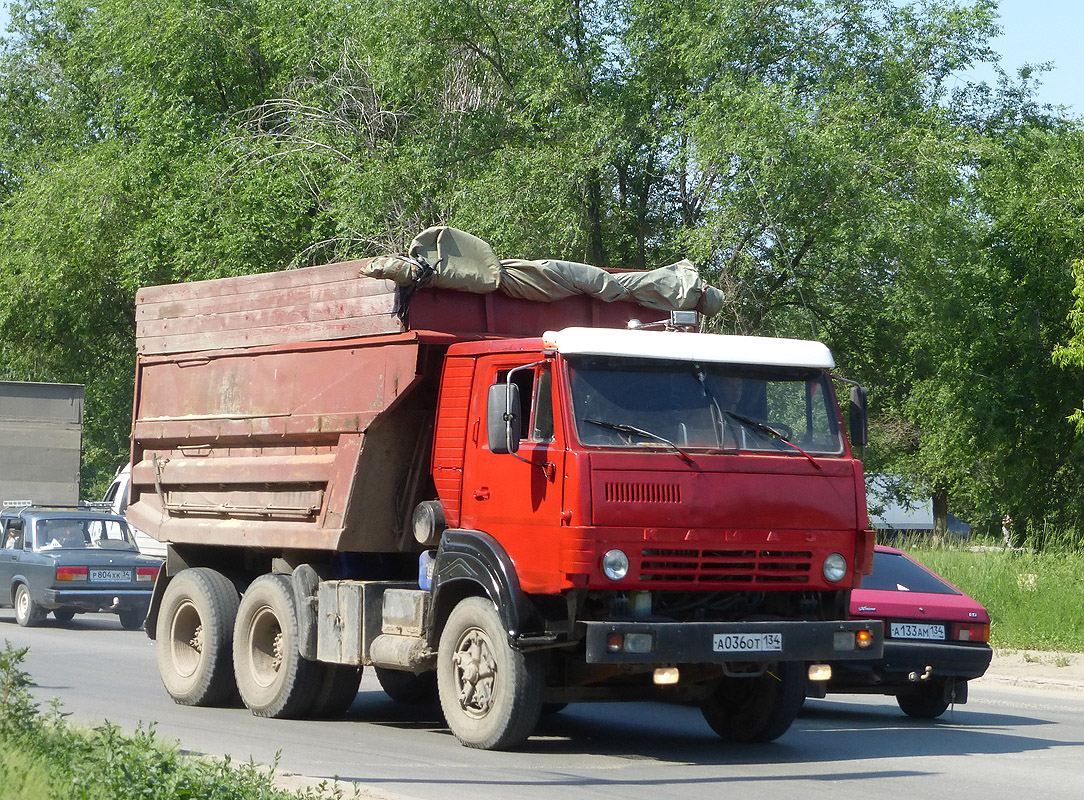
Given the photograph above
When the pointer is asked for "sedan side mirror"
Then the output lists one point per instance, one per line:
(502, 420)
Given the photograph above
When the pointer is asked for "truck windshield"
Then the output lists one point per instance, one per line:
(639, 402)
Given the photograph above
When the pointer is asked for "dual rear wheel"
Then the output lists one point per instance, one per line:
(212, 644)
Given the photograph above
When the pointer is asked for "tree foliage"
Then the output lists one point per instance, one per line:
(822, 161)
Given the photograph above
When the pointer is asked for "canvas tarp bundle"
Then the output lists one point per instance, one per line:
(447, 258)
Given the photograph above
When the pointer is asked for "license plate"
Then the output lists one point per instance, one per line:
(748, 642)
(910, 630)
(99, 575)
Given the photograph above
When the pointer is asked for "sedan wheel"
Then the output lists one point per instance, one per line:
(27, 612)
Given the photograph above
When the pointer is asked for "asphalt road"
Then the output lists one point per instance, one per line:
(1007, 741)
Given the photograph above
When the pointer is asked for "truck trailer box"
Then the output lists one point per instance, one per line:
(41, 437)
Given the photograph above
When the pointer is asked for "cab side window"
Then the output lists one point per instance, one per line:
(535, 413)
(542, 419)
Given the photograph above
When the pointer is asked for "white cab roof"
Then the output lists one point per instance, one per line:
(709, 347)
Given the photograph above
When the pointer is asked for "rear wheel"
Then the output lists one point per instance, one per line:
(64, 614)
(131, 619)
(273, 678)
(757, 709)
(408, 688)
(927, 702)
(27, 612)
(195, 626)
(490, 693)
(339, 685)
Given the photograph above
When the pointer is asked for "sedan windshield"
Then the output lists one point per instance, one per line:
(83, 534)
(896, 572)
(635, 402)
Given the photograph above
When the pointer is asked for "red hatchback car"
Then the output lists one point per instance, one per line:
(936, 637)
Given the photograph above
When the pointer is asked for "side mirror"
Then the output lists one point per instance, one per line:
(502, 418)
(859, 417)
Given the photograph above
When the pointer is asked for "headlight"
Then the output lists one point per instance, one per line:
(615, 565)
(835, 567)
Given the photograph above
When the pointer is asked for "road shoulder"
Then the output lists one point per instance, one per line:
(1037, 668)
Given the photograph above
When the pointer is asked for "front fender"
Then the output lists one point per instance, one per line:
(474, 563)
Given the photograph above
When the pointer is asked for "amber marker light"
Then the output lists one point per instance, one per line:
(863, 639)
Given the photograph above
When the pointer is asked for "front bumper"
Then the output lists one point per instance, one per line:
(95, 599)
(903, 658)
(734, 642)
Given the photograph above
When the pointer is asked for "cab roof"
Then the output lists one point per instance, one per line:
(707, 347)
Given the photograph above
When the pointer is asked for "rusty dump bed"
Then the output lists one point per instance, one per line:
(294, 409)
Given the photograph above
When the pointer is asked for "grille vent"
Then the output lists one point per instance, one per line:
(725, 566)
(628, 492)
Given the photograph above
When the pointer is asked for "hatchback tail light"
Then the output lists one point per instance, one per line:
(71, 573)
(146, 573)
(971, 632)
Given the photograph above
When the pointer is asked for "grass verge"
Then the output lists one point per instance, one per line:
(42, 756)
(1034, 599)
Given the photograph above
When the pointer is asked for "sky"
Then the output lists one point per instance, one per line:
(1034, 31)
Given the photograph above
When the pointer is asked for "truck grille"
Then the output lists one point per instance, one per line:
(743, 567)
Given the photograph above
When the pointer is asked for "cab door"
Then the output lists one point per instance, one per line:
(517, 498)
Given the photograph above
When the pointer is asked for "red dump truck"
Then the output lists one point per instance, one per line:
(499, 503)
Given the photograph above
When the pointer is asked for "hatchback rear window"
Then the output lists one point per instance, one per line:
(896, 573)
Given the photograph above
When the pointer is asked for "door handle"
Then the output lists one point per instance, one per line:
(481, 494)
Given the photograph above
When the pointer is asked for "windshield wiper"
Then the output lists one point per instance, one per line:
(768, 429)
(621, 428)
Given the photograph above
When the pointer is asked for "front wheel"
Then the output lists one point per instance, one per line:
(192, 644)
(27, 612)
(273, 678)
(64, 614)
(757, 709)
(490, 693)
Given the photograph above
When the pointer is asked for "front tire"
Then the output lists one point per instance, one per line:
(490, 693)
(756, 710)
(273, 678)
(27, 613)
(195, 626)
(64, 615)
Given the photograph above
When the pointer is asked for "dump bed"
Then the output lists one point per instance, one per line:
(295, 409)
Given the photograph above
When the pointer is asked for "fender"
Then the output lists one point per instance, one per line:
(15, 581)
(471, 560)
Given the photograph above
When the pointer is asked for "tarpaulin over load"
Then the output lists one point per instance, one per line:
(447, 258)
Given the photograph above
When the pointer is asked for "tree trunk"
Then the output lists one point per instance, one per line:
(940, 514)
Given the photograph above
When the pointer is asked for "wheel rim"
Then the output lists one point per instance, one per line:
(475, 673)
(22, 603)
(266, 647)
(186, 640)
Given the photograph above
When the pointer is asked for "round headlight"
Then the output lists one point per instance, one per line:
(835, 567)
(615, 565)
